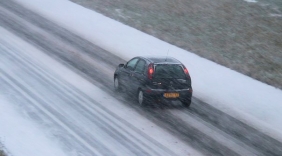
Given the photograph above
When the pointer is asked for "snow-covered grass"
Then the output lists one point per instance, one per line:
(242, 36)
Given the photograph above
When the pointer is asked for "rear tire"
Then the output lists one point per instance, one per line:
(186, 103)
(142, 99)
(117, 84)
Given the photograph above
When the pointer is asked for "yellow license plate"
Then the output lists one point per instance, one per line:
(171, 95)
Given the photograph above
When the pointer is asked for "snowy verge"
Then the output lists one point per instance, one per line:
(242, 97)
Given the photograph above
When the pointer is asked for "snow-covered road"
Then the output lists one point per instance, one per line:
(95, 124)
(59, 87)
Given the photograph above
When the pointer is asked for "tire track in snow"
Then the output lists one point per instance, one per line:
(218, 135)
(43, 107)
(137, 146)
(76, 98)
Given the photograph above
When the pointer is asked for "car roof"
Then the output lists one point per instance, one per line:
(161, 59)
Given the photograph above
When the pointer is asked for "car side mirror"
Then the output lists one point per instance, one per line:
(121, 65)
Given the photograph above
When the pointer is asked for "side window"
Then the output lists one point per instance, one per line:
(131, 64)
(140, 67)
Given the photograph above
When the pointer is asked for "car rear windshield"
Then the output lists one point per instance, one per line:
(169, 71)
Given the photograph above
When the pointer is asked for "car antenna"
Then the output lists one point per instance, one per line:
(166, 55)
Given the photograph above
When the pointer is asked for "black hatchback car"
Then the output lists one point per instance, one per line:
(154, 79)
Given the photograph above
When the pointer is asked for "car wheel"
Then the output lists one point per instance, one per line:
(117, 84)
(186, 103)
(141, 98)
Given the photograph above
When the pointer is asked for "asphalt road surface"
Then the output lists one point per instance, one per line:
(76, 116)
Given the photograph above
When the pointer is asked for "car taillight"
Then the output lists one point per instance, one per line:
(186, 71)
(150, 71)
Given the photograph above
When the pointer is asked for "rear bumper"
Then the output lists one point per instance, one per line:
(184, 94)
